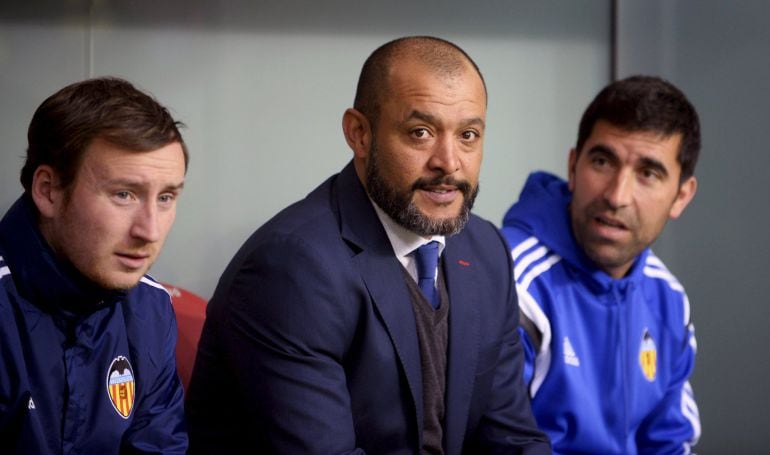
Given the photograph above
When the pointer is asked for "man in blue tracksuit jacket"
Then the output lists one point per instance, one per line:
(87, 340)
(609, 342)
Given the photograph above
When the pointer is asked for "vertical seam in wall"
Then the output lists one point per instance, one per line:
(613, 40)
(89, 45)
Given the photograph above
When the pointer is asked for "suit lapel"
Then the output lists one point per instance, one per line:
(385, 281)
(383, 276)
(462, 356)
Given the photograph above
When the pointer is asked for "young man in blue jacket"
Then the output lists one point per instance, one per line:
(86, 338)
(609, 342)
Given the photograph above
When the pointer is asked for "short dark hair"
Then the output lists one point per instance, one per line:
(107, 108)
(438, 54)
(647, 103)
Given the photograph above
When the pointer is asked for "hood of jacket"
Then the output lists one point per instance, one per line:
(543, 211)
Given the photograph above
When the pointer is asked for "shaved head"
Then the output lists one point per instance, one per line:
(439, 56)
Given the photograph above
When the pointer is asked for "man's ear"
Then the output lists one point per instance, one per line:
(686, 192)
(571, 165)
(358, 133)
(45, 191)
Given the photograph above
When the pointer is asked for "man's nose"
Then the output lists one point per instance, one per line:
(619, 192)
(146, 225)
(445, 156)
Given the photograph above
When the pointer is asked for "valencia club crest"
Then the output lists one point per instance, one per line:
(120, 386)
(648, 356)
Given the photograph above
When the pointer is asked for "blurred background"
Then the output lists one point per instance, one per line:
(262, 85)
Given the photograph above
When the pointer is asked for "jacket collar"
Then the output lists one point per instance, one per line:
(40, 277)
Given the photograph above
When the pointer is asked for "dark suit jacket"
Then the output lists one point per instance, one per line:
(310, 344)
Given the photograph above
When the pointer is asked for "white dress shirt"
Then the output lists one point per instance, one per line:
(404, 242)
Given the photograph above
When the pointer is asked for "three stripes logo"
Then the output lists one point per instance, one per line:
(120, 386)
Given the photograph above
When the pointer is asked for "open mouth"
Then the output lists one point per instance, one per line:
(441, 189)
(610, 223)
(440, 194)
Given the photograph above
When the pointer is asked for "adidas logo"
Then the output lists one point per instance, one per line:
(570, 358)
(30, 404)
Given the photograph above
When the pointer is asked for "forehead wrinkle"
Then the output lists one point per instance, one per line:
(140, 182)
(419, 115)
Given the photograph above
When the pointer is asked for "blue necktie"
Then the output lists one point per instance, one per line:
(427, 262)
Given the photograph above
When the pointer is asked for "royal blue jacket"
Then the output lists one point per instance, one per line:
(81, 370)
(608, 360)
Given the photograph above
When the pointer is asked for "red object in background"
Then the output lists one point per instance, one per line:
(190, 312)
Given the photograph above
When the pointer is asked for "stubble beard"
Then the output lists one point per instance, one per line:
(86, 265)
(595, 247)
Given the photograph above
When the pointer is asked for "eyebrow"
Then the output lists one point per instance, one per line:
(600, 148)
(425, 117)
(654, 164)
(644, 161)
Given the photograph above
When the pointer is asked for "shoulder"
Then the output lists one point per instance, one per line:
(303, 240)
(295, 276)
(479, 254)
(481, 244)
(533, 260)
(664, 292)
(514, 235)
(149, 322)
(150, 303)
(297, 257)
(480, 233)
(5, 271)
(149, 288)
(5, 282)
(310, 221)
(655, 271)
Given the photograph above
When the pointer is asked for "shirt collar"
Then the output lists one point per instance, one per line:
(403, 240)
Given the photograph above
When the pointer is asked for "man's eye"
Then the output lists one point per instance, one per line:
(420, 133)
(470, 135)
(599, 160)
(650, 174)
(123, 197)
(166, 198)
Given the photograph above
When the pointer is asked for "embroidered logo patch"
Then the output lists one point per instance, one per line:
(648, 356)
(120, 386)
(570, 357)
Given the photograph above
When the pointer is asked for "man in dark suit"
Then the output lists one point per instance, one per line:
(330, 333)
